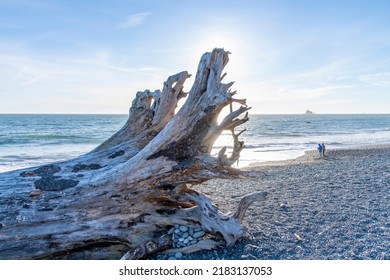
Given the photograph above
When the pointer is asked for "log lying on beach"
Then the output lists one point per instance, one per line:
(137, 184)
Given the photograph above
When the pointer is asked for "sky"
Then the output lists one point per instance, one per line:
(60, 56)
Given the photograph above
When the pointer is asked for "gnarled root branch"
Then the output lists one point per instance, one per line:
(245, 202)
(214, 221)
(149, 248)
(210, 218)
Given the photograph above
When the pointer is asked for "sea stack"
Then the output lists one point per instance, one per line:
(308, 112)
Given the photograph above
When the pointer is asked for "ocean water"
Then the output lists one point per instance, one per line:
(30, 140)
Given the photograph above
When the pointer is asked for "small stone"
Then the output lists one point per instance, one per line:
(172, 258)
(181, 244)
(190, 238)
(185, 241)
(181, 239)
(183, 228)
(298, 237)
(171, 230)
(198, 234)
(177, 230)
(197, 228)
(176, 226)
(283, 206)
(251, 247)
(191, 231)
(178, 255)
(185, 235)
(193, 242)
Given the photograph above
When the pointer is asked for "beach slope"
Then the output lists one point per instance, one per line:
(336, 207)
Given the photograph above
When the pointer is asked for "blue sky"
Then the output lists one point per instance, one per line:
(287, 56)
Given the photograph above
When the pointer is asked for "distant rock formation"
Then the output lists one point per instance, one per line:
(308, 112)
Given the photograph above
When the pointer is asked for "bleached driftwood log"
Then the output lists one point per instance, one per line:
(131, 188)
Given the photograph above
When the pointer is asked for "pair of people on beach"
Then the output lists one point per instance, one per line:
(321, 149)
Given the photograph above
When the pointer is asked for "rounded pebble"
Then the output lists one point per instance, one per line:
(183, 228)
(177, 230)
(193, 242)
(181, 239)
(197, 228)
(185, 241)
(191, 231)
(178, 255)
(171, 230)
(198, 234)
(176, 226)
(185, 235)
(190, 238)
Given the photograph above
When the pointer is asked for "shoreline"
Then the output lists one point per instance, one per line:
(312, 156)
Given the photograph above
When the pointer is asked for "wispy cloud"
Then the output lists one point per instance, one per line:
(139, 70)
(377, 79)
(39, 77)
(292, 93)
(133, 20)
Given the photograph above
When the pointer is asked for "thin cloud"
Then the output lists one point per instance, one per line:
(133, 20)
(39, 77)
(377, 79)
(284, 93)
(145, 71)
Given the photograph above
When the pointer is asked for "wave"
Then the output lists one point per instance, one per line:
(47, 139)
(53, 136)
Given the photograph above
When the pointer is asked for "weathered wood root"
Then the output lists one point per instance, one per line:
(214, 221)
(205, 244)
(211, 219)
(245, 202)
(149, 248)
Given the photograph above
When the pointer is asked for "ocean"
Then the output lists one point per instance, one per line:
(31, 140)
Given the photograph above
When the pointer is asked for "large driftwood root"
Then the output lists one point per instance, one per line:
(134, 186)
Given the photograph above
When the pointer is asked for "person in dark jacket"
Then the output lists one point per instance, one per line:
(319, 149)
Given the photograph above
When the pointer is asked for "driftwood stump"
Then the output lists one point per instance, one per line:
(129, 190)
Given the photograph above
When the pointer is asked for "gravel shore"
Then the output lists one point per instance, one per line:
(333, 207)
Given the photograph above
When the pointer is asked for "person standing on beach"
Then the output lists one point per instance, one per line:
(323, 149)
(319, 149)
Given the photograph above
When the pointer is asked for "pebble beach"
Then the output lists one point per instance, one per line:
(318, 208)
